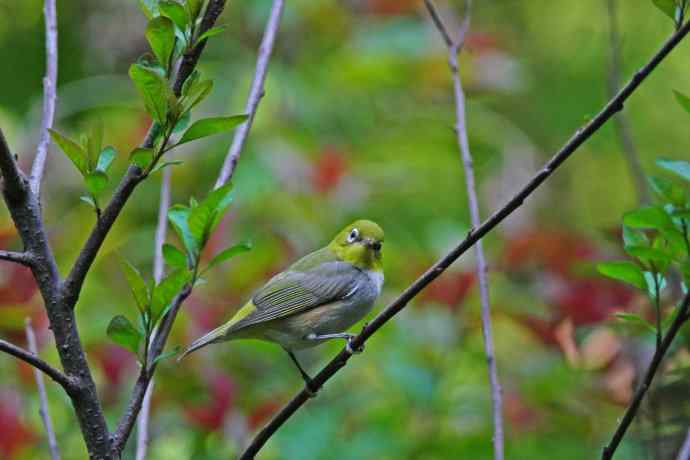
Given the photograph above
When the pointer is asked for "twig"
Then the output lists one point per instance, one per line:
(256, 92)
(39, 364)
(143, 423)
(482, 269)
(23, 258)
(14, 182)
(659, 354)
(684, 453)
(49, 95)
(620, 121)
(582, 134)
(87, 255)
(42, 396)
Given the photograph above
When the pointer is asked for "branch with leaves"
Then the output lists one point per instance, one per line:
(454, 48)
(614, 106)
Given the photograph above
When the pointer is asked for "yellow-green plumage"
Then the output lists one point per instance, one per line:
(323, 293)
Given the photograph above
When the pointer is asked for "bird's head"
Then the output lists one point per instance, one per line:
(360, 244)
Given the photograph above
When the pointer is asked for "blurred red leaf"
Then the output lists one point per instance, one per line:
(210, 415)
(262, 413)
(392, 7)
(15, 434)
(328, 170)
(592, 300)
(115, 362)
(450, 289)
(17, 286)
(520, 416)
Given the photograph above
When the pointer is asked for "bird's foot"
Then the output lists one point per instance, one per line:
(310, 388)
(348, 346)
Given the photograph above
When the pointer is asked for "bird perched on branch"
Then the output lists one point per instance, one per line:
(315, 299)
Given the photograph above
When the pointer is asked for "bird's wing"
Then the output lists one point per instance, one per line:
(293, 292)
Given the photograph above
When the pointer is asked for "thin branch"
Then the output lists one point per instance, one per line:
(620, 121)
(87, 255)
(659, 354)
(23, 258)
(39, 364)
(482, 268)
(256, 92)
(14, 182)
(582, 135)
(49, 95)
(158, 263)
(684, 453)
(42, 396)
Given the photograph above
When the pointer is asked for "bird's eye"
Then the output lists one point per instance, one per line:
(352, 237)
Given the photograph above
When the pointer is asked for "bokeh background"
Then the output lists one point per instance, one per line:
(357, 122)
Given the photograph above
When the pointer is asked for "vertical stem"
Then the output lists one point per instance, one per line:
(161, 228)
(42, 396)
(684, 453)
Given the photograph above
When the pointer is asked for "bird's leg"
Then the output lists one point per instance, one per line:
(307, 380)
(341, 335)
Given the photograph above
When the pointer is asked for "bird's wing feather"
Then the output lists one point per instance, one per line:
(292, 292)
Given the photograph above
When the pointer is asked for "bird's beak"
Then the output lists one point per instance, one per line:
(373, 244)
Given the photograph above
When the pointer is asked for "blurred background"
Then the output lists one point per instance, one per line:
(357, 123)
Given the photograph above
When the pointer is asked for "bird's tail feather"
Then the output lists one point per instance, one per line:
(216, 335)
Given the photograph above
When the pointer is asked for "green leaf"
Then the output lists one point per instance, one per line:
(651, 287)
(165, 292)
(228, 254)
(634, 237)
(160, 34)
(648, 217)
(193, 7)
(210, 33)
(89, 200)
(668, 7)
(680, 167)
(667, 190)
(96, 181)
(136, 283)
(165, 164)
(183, 122)
(178, 216)
(682, 100)
(94, 143)
(648, 254)
(197, 93)
(636, 320)
(168, 354)
(191, 81)
(73, 150)
(105, 159)
(149, 8)
(141, 157)
(210, 126)
(681, 213)
(153, 89)
(627, 272)
(204, 217)
(174, 257)
(122, 332)
(175, 12)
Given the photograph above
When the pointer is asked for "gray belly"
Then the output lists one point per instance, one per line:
(326, 319)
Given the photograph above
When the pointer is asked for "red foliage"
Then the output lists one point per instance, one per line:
(210, 416)
(392, 7)
(115, 362)
(17, 285)
(592, 300)
(520, 416)
(262, 413)
(15, 434)
(328, 170)
(450, 289)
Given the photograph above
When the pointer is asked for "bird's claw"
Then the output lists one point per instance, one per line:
(353, 351)
(310, 389)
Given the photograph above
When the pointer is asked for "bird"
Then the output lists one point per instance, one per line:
(315, 299)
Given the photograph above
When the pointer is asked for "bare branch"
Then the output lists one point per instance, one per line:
(23, 258)
(684, 453)
(659, 354)
(158, 263)
(482, 269)
(87, 255)
(49, 95)
(38, 363)
(14, 183)
(42, 396)
(582, 135)
(255, 93)
(620, 121)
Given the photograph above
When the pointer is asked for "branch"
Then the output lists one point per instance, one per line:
(39, 364)
(143, 424)
(23, 258)
(482, 269)
(42, 397)
(256, 92)
(14, 182)
(124, 426)
(620, 122)
(49, 95)
(684, 453)
(659, 354)
(134, 176)
(582, 134)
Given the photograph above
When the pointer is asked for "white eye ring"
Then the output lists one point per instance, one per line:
(352, 237)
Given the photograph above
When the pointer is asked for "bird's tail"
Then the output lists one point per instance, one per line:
(216, 335)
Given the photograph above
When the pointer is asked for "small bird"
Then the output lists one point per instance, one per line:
(315, 299)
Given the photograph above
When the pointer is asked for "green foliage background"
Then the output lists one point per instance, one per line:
(357, 122)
